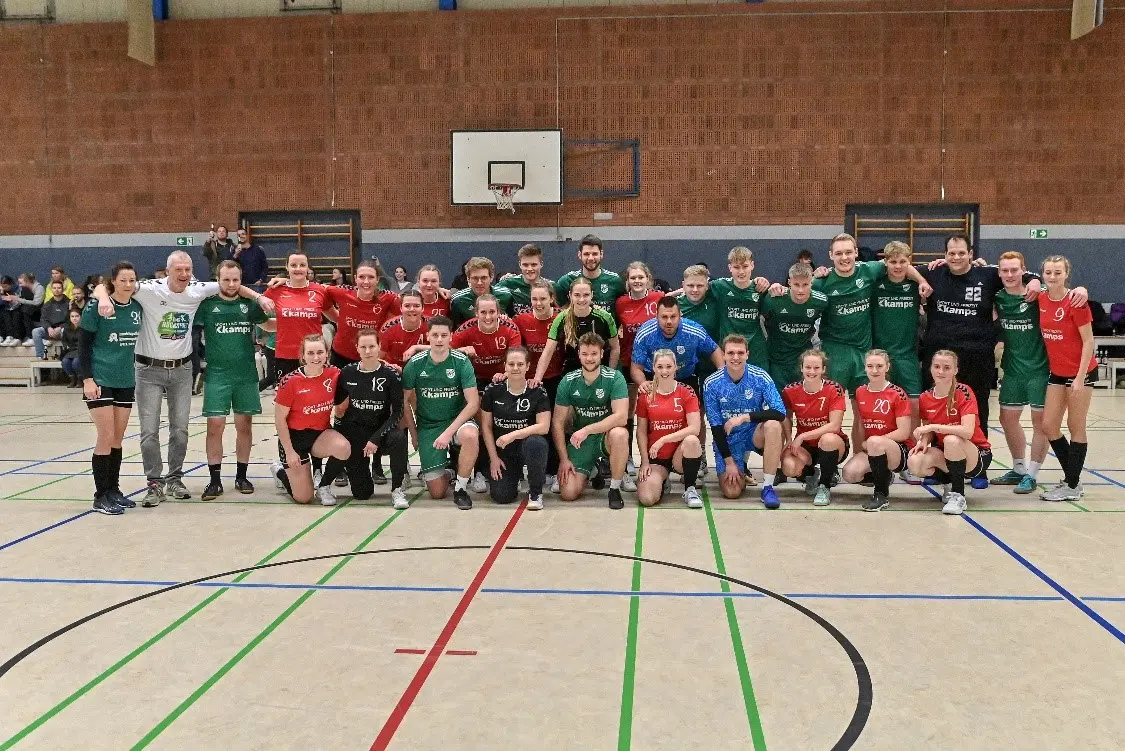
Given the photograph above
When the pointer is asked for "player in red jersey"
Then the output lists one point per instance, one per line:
(632, 310)
(1069, 337)
(816, 405)
(534, 327)
(883, 411)
(403, 337)
(302, 414)
(668, 420)
(359, 308)
(949, 440)
(300, 304)
(435, 299)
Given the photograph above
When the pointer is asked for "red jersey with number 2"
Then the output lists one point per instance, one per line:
(880, 410)
(490, 348)
(357, 315)
(937, 410)
(309, 399)
(811, 411)
(299, 310)
(534, 333)
(631, 315)
(394, 340)
(666, 414)
(1060, 322)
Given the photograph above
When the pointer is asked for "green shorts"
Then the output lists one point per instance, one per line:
(434, 461)
(783, 375)
(222, 396)
(845, 365)
(759, 354)
(906, 373)
(585, 459)
(1023, 389)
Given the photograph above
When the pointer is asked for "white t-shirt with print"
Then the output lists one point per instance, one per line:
(166, 324)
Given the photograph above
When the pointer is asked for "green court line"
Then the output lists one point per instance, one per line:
(628, 681)
(757, 735)
(42, 719)
(253, 643)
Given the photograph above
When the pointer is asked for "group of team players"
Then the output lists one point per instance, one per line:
(522, 378)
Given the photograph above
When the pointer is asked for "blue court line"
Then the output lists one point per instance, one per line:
(1094, 472)
(38, 532)
(568, 592)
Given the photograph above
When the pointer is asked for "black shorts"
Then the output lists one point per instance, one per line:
(303, 441)
(1058, 380)
(112, 397)
(984, 459)
(666, 463)
(692, 382)
(339, 361)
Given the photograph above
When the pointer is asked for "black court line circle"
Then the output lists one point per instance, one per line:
(850, 735)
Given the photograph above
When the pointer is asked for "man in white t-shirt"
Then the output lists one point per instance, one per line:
(163, 363)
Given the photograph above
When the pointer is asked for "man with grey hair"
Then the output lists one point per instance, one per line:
(163, 364)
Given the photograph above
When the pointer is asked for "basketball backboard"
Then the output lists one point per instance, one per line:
(531, 159)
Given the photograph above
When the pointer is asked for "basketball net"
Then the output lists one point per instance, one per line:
(505, 194)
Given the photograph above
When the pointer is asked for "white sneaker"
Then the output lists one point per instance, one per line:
(326, 496)
(909, 477)
(692, 499)
(554, 479)
(535, 503)
(823, 496)
(478, 484)
(628, 484)
(630, 468)
(276, 467)
(398, 499)
(1062, 492)
(316, 479)
(954, 504)
(406, 482)
(28, 342)
(9, 341)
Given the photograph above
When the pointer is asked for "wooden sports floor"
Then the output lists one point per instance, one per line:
(252, 623)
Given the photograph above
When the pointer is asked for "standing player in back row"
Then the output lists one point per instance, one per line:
(519, 285)
(790, 321)
(895, 323)
(605, 285)
(739, 297)
(480, 273)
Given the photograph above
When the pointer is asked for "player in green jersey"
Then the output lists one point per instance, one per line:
(1025, 375)
(440, 388)
(519, 285)
(607, 285)
(231, 381)
(597, 398)
(790, 321)
(895, 317)
(739, 298)
(480, 273)
(105, 355)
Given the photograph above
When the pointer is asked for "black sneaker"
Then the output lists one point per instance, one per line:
(120, 498)
(615, 501)
(104, 505)
(462, 499)
(597, 482)
(212, 491)
(342, 480)
(244, 486)
(378, 476)
(877, 502)
(779, 478)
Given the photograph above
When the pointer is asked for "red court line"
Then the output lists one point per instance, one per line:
(410, 651)
(411, 693)
(461, 652)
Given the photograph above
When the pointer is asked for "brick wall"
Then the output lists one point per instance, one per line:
(773, 113)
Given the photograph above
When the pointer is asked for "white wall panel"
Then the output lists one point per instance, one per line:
(88, 11)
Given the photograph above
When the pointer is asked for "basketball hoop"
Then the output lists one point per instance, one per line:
(505, 194)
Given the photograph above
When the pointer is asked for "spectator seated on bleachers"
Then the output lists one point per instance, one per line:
(70, 335)
(52, 319)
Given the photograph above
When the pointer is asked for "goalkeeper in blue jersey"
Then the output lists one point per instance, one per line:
(745, 412)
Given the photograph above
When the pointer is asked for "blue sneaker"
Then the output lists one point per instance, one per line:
(980, 482)
(769, 498)
(1027, 485)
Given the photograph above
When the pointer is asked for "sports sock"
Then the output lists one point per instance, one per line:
(99, 464)
(1062, 451)
(1033, 469)
(767, 479)
(615, 484)
(1076, 462)
(317, 464)
(214, 469)
(956, 475)
(691, 471)
(284, 477)
(240, 472)
(882, 473)
(1018, 466)
(828, 461)
(332, 470)
(115, 469)
(462, 483)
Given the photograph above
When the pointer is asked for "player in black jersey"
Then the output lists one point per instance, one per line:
(369, 403)
(515, 420)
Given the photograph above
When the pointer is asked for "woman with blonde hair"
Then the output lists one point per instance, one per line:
(668, 419)
(815, 406)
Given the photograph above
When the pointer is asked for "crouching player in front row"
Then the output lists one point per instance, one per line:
(816, 405)
(745, 412)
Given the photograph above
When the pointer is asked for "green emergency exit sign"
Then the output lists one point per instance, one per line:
(1039, 234)
(187, 242)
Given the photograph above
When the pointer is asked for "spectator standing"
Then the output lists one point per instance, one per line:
(218, 248)
(252, 259)
(402, 281)
(59, 275)
(71, 336)
(52, 320)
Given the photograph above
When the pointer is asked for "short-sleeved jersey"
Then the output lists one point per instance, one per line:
(357, 315)
(847, 319)
(607, 286)
(599, 322)
(790, 325)
(1060, 320)
(959, 312)
(114, 341)
(228, 328)
(895, 320)
(299, 310)
(394, 339)
(706, 313)
(631, 314)
(591, 401)
(461, 304)
(489, 347)
(375, 401)
(520, 291)
(513, 411)
(1024, 351)
(879, 410)
(166, 326)
(739, 311)
(666, 414)
(309, 398)
(439, 307)
(439, 386)
(935, 409)
(691, 343)
(812, 411)
(724, 397)
(534, 333)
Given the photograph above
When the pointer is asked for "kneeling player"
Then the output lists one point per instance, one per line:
(816, 405)
(515, 420)
(302, 413)
(745, 412)
(668, 433)
(884, 427)
(951, 445)
(369, 402)
(599, 398)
